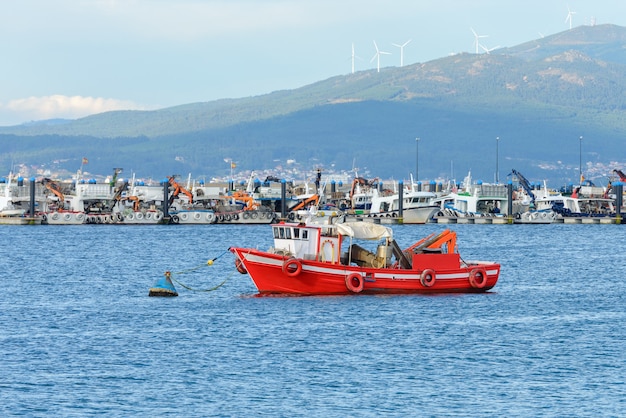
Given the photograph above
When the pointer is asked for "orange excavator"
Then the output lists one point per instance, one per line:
(54, 187)
(178, 189)
(136, 202)
(362, 182)
(249, 202)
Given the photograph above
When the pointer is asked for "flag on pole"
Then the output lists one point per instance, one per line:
(85, 161)
(233, 165)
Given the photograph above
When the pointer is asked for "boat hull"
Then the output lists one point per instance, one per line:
(65, 218)
(19, 220)
(535, 217)
(146, 217)
(270, 274)
(245, 217)
(194, 217)
(417, 215)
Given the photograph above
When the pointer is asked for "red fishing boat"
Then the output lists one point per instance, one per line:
(327, 260)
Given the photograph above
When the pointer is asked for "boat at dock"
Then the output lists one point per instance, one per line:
(239, 207)
(318, 259)
(76, 203)
(475, 203)
(418, 207)
(13, 211)
(193, 204)
(582, 205)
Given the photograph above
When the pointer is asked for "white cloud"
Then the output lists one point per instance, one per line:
(59, 106)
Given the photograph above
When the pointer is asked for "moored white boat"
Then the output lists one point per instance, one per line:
(418, 207)
(11, 213)
(479, 201)
(574, 208)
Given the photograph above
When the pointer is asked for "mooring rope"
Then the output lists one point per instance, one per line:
(189, 270)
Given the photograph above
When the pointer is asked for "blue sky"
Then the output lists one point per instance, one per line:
(72, 58)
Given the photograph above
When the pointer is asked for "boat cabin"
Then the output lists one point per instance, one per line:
(316, 242)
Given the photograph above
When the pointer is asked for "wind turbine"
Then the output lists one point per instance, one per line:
(402, 51)
(477, 38)
(569, 17)
(353, 56)
(377, 56)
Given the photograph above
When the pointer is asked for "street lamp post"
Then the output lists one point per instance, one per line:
(417, 158)
(580, 161)
(231, 181)
(497, 161)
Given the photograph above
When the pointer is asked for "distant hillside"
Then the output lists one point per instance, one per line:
(539, 98)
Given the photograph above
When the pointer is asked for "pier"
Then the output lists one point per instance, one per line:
(36, 203)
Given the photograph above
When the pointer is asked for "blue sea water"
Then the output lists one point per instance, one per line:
(79, 335)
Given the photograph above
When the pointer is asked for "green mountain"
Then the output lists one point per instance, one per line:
(539, 98)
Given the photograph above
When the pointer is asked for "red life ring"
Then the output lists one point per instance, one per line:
(428, 278)
(292, 267)
(355, 283)
(239, 265)
(478, 278)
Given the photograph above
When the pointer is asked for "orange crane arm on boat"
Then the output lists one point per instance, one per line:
(136, 202)
(178, 189)
(54, 188)
(313, 200)
(447, 238)
(250, 202)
